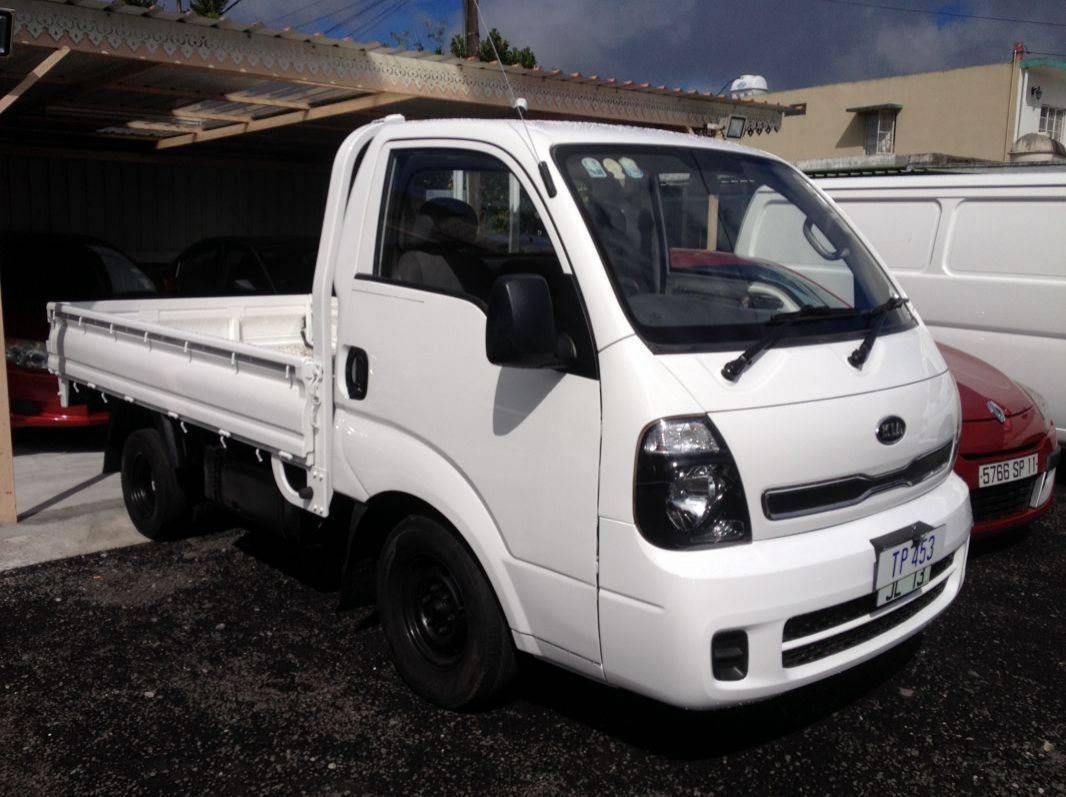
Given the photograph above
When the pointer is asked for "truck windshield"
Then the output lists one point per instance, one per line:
(705, 246)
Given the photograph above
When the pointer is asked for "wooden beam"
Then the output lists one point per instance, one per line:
(38, 72)
(256, 99)
(190, 113)
(8, 511)
(161, 127)
(281, 120)
(125, 112)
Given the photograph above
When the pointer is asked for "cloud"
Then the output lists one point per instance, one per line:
(705, 43)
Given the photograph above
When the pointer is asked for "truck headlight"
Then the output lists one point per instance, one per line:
(688, 492)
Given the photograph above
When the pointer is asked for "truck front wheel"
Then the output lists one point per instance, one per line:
(154, 499)
(448, 636)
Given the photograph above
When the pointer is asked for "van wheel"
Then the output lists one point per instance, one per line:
(448, 636)
(154, 499)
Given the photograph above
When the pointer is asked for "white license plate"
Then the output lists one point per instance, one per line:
(1009, 471)
(905, 559)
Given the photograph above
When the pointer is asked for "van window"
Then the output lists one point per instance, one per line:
(708, 248)
(978, 245)
(903, 233)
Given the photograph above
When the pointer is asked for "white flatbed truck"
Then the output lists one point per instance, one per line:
(638, 403)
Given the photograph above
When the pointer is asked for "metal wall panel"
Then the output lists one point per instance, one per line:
(152, 209)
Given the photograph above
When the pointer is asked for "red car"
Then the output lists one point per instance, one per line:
(1009, 448)
(36, 268)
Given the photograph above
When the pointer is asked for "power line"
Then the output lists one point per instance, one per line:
(312, 4)
(388, 12)
(958, 14)
(358, 12)
(362, 12)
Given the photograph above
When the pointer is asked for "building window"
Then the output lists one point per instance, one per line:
(1052, 120)
(881, 132)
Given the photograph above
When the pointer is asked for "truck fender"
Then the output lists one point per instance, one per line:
(401, 473)
(125, 420)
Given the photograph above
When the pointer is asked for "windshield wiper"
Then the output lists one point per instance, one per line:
(782, 321)
(858, 357)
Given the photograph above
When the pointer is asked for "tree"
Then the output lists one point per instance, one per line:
(507, 54)
(208, 8)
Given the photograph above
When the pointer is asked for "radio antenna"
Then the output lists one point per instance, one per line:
(521, 107)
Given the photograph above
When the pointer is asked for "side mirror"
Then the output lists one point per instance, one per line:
(520, 330)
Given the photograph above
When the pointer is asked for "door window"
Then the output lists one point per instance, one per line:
(455, 220)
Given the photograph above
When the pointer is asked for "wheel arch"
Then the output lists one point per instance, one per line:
(373, 519)
(127, 419)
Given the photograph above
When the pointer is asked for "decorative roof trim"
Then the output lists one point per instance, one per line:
(94, 26)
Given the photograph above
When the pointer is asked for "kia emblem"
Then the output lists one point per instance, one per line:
(891, 430)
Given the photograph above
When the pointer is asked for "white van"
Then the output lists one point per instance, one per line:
(983, 257)
(565, 385)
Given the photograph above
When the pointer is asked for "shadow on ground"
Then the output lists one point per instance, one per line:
(58, 441)
(691, 735)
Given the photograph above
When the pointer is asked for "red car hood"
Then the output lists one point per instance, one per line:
(979, 383)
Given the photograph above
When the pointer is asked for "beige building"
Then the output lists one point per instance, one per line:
(996, 112)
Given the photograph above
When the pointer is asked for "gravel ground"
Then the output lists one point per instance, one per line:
(221, 665)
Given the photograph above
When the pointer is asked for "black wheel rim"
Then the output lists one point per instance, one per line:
(433, 610)
(142, 490)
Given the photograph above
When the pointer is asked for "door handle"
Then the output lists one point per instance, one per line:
(357, 374)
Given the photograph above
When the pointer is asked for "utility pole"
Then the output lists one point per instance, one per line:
(473, 39)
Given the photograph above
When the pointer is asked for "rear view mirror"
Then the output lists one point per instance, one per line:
(820, 241)
(520, 329)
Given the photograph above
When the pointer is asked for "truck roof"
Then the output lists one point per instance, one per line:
(551, 133)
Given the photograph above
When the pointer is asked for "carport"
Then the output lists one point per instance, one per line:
(151, 129)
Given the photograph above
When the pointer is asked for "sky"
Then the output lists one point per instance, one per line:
(704, 44)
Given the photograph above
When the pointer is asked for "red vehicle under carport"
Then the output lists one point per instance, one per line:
(36, 268)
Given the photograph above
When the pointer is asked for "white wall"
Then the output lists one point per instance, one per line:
(1052, 83)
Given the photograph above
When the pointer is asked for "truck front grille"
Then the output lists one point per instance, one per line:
(807, 499)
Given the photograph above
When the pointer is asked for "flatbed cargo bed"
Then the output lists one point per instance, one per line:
(243, 367)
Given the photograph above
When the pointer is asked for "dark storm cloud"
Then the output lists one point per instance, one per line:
(704, 43)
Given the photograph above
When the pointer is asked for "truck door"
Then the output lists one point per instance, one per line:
(520, 445)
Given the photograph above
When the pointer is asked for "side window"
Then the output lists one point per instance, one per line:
(455, 220)
(243, 273)
(198, 271)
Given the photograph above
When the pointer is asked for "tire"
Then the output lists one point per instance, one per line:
(155, 501)
(449, 639)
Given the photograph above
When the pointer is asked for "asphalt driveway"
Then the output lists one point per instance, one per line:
(222, 665)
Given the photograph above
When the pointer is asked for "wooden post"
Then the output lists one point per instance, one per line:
(712, 222)
(470, 29)
(8, 513)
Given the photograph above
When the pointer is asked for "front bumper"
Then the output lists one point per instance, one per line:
(1012, 504)
(660, 610)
